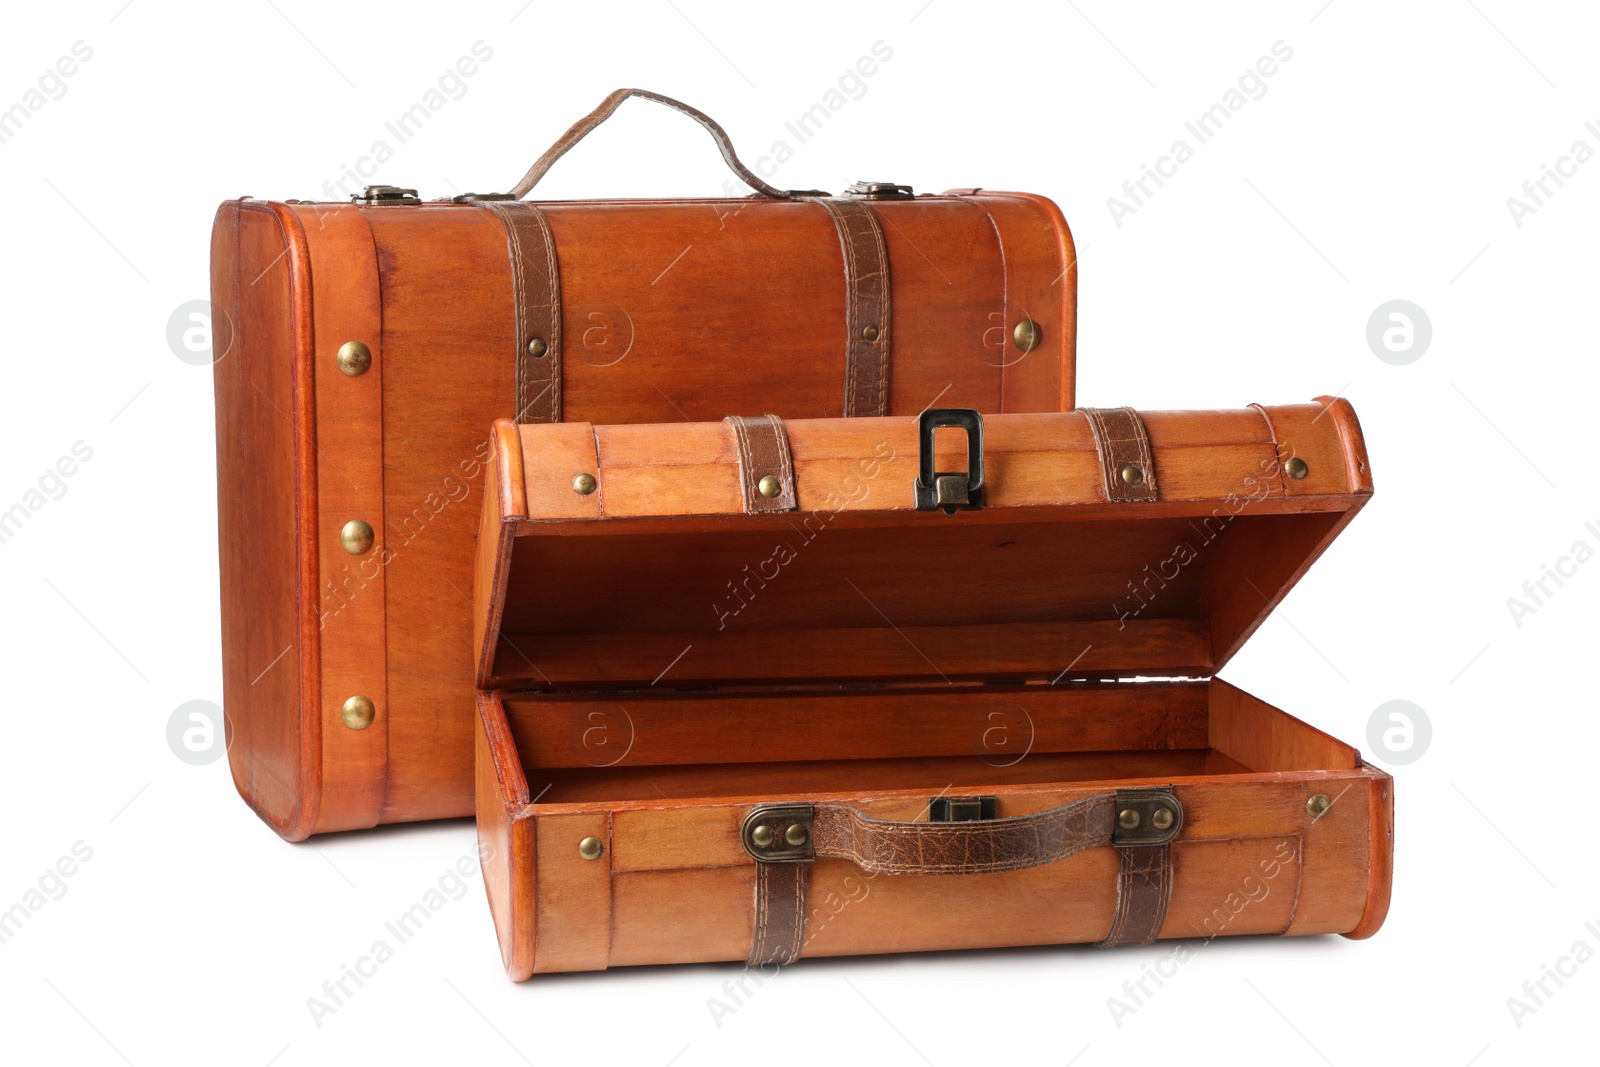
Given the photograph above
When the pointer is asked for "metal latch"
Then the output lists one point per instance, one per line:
(879, 191)
(944, 489)
(962, 809)
(386, 194)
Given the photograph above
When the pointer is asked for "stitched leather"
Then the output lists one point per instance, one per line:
(1144, 882)
(1121, 440)
(866, 279)
(1011, 844)
(780, 928)
(1144, 887)
(764, 451)
(536, 285)
(584, 126)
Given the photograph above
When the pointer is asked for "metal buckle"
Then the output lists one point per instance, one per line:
(949, 490)
(374, 195)
(879, 191)
(779, 833)
(1146, 817)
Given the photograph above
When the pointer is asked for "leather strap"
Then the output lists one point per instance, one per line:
(584, 126)
(1144, 887)
(877, 846)
(763, 446)
(867, 312)
(536, 286)
(1127, 462)
(780, 928)
(983, 847)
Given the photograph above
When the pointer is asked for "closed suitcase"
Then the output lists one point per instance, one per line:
(767, 689)
(365, 348)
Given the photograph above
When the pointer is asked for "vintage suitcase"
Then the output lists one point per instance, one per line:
(751, 693)
(365, 348)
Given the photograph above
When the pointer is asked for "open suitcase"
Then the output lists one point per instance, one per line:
(364, 348)
(760, 689)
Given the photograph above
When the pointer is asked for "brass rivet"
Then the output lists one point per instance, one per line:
(1296, 468)
(1027, 334)
(356, 537)
(796, 834)
(354, 358)
(1161, 819)
(1128, 819)
(537, 347)
(769, 486)
(584, 484)
(762, 835)
(590, 848)
(869, 332)
(1318, 806)
(1131, 474)
(358, 712)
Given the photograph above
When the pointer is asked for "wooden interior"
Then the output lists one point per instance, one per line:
(684, 746)
(1030, 597)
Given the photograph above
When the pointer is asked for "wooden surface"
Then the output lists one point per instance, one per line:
(644, 344)
(661, 574)
(1250, 858)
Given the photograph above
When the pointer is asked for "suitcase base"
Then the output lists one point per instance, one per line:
(1284, 830)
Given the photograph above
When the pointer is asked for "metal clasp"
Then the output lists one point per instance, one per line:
(779, 833)
(374, 195)
(948, 490)
(962, 809)
(879, 191)
(1146, 817)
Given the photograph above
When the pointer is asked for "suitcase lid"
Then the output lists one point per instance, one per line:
(756, 553)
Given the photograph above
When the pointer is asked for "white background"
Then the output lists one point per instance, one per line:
(1377, 166)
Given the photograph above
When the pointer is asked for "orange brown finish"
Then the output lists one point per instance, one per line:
(642, 340)
(672, 775)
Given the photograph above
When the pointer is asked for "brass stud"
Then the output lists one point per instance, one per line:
(584, 484)
(358, 712)
(1318, 806)
(796, 834)
(1162, 819)
(762, 835)
(1027, 335)
(356, 537)
(869, 332)
(769, 486)
(537, 348)
(354, 358)
(1131, 474)
(1296, 468)
(1128, 819)
(590, 848)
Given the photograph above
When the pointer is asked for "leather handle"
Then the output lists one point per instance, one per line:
(786, 838)
(584, 126)
(880, 846)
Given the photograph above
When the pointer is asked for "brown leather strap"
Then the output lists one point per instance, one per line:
(1126, 459)
(584, 126)
(780, 927)
(536, 292)
(1012, 844)
(867, 312)
(1143, 888)
(877, 846)
(763, 446)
